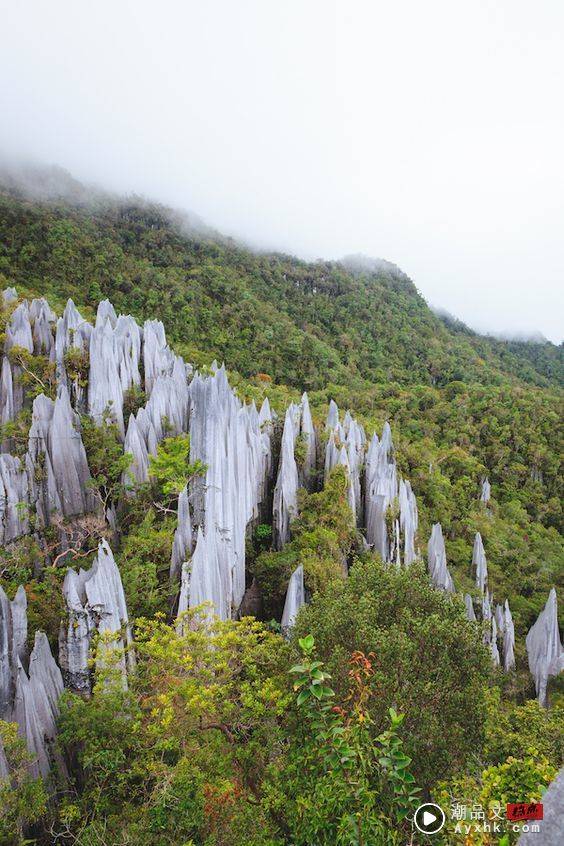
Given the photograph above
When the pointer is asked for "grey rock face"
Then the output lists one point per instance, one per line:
(470, 613)
(95, 602)
(42, 320)
(14, 499)
(9, 295)
(73, 332)
(56, 460)
(346, 446)
(30, 701)
(286, 491)
(115, 352)
(493, 644)
(183, 537)
(485, 494)
(295, 598)
(508, 639)
(307, 432)
(544, 648)
(409, 521)
(235, 447)
(6, 656)
(381, 491)
(479, 563)
(203, 580)
(437, 561)
(551, 827)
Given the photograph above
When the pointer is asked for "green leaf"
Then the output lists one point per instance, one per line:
(305, 694)
(307, 643)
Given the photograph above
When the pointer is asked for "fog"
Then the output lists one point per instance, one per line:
(428, 134)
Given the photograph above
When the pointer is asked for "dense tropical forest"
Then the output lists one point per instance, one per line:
(242, 729)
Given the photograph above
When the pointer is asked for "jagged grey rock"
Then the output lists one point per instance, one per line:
(551, 827)
(350, 438)
(18, 334)
(479, 563)
(72, 333)
(508, 639)
(9, 295)
(408, 521)
(31, 702)
(18, 610)
(14, 499)
(230, 441)
(381, 491)
(158, 358)
(295, 598)
(544, 648)
(286, 491)
(6, 664)
(202, 579)
(183, 537)
(437, 561)
(42, 319)
(486, 491)
(470, 613)
(95, 602)
(307, 432)
(493, 644)
(30, 724)
(57, 452)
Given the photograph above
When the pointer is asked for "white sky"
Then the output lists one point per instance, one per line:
(427, 133)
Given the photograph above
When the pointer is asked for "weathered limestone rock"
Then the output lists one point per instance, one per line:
(470, 613)
(115, 351)
(408, 521)
(9, 295)
(183, 537)
(135, 444)
(307, 432)
(479, 563)
(14, 499)
(18, 330)
(72, 333)
(158, 358)
(235, 447)
(30, 726)
(31, 702)
(42, 319)
(551, 827)
(486, 491)
(95, 602)
(18, 610)
(286, 490)
(508, 640)
(544, 649)
(493, 644)
(56, 461)
(203, 580)
(346, 446)
(381, 491)
(18, 334)
(437, 561)
(6, 657)
(295, 598)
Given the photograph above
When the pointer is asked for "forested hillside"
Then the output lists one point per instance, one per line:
(357, 663)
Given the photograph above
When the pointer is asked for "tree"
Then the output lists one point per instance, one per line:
(429, 662)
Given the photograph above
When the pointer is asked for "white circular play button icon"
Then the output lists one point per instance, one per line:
(429, 818)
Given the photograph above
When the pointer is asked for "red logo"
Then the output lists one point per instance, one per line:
(518, 811)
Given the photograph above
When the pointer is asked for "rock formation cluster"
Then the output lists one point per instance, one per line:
(97, 368)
